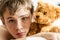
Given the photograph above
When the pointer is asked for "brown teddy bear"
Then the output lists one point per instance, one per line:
(45, 16)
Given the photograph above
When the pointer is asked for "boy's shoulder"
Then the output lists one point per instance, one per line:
(4, 34)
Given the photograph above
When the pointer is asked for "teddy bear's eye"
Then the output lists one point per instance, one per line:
(45, 13)
(39, 10)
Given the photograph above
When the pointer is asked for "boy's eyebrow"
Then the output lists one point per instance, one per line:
(19, 16)
(24, 15)
(9, 17)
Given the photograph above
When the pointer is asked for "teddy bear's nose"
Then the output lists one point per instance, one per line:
(37, 16)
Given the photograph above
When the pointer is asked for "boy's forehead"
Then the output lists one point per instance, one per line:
(19, 12)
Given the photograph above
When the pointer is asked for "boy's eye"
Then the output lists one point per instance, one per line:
(11, 21)
(24, 18)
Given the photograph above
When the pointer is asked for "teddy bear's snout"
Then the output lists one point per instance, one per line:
(37, 16)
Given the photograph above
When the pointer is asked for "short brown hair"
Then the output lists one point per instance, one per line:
(12, 5)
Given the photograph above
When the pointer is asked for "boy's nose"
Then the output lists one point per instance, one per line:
(19, 25)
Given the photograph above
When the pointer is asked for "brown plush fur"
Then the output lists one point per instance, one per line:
(44, 16)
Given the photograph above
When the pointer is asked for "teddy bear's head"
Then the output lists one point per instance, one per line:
(45, 13)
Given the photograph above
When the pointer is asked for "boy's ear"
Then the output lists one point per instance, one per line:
(3, 21)
(33, 20)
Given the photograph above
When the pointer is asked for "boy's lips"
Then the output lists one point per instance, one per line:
(21, 33)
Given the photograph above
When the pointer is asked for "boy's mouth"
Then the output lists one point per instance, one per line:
(21, 34)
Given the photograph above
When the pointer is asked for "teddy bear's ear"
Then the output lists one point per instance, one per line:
(57, 11)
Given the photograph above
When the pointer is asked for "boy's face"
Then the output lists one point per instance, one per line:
(18, 24)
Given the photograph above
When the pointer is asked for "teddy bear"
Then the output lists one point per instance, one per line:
(45, 15)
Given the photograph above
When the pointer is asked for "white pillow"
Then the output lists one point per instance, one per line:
(35, 38)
